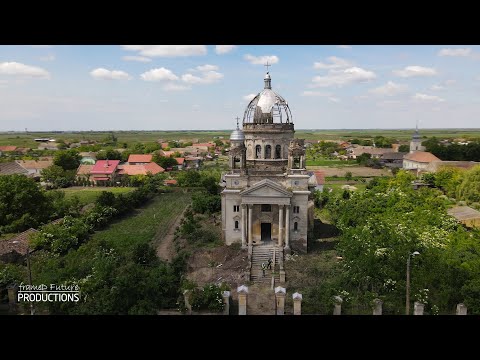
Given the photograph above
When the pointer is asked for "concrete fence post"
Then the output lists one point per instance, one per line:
(280, 294)
(377, 310)
(242, 299)
(12, 291)
(461, 309)
(186, 297)
(338, 305)
(418, 308)
(297, 304)
(226, 302)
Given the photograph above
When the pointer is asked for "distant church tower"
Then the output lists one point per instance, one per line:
(416, 143)
(267, 199)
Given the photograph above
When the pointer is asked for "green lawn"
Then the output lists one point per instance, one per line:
(90, 194)
(141, 227)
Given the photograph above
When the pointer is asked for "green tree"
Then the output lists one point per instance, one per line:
(106, 198)
(22, 203)
(57, 176)
(469, 189)
(67, 159)
(404, 148)
(164, 162)
(348, 175)
(109, 154)
(190, 178)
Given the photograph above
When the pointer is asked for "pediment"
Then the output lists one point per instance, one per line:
(266, 188)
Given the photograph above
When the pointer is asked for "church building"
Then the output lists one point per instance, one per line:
(267, 197)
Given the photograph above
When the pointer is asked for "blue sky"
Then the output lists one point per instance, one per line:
(168, 87)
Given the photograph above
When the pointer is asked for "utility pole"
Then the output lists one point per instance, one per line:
(407, 300)
(32, 307)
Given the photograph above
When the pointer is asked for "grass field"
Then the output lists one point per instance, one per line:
(90, 194)
(23, 139)
(157, 216)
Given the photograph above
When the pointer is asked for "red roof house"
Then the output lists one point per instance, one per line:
(104, 170)
(139, 159)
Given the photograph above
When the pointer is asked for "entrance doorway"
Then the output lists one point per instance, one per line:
(266, 231)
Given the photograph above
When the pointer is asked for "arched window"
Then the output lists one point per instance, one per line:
(258, 152)
(236, 224)
(296, 162)
(268, 152)
(236, 162)
(278, 151)
(295, 226)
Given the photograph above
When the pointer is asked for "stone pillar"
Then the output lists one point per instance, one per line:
(418, 308)
(250, 220)
(244, 240)
(242, 299)
(226, 301)
(377, 310)
(280, 294)
(461, 309)
(297, 304)
(287, 228)
(186, 297)
(280, 225)
(12, 291)
(338, 305)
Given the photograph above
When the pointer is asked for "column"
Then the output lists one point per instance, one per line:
(377, 310)
(280, 225)
(461, 309)
(418, 308)
(280, 293)
(186, 297)
(250, 220)
(297, 304)
(287, 228)
(242, 299)
(244, 223)
(338, 305)
(226, 302)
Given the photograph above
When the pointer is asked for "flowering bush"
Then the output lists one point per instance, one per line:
(209, 297)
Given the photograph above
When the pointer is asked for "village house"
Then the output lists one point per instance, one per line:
(139, 169)
(193, 162)
(466, 216)
(170, 182)
(84, 171)
(435, 166)
(51, 145)
(180, 163)
(418, 160)
(104, 171)
(392, 159)
(7, 149)
(14, 250)
(34, 167)
(11, 168)
(376, 153)
(138, 159)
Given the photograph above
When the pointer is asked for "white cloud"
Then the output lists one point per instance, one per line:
(159, 74)
(437, 87)
(207, 77)
(104, 74)
(334, 99)
(49, 57)
(143, 59)
(336, 63)
(450, 82)
(223, 49)
(167, 50)
(207, 67)
(19, 69)
(41, 46)
(455, 52)
(344, 46)
(175, 87)
(249, 97)
(412, 71)
(315, 93)
(427, 98)
(261, 60)
(343, 77)
(389, 89)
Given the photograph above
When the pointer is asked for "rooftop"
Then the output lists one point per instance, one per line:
(140, 158)
(421, 156)
(105, 167)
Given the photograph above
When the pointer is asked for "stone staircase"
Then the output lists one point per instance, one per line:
(260, 254)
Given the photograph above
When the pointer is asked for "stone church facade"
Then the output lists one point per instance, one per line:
(267, 197)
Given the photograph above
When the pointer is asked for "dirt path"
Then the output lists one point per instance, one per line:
(165, 250)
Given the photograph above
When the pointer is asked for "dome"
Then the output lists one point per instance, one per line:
(237, 135)
(267, 107)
